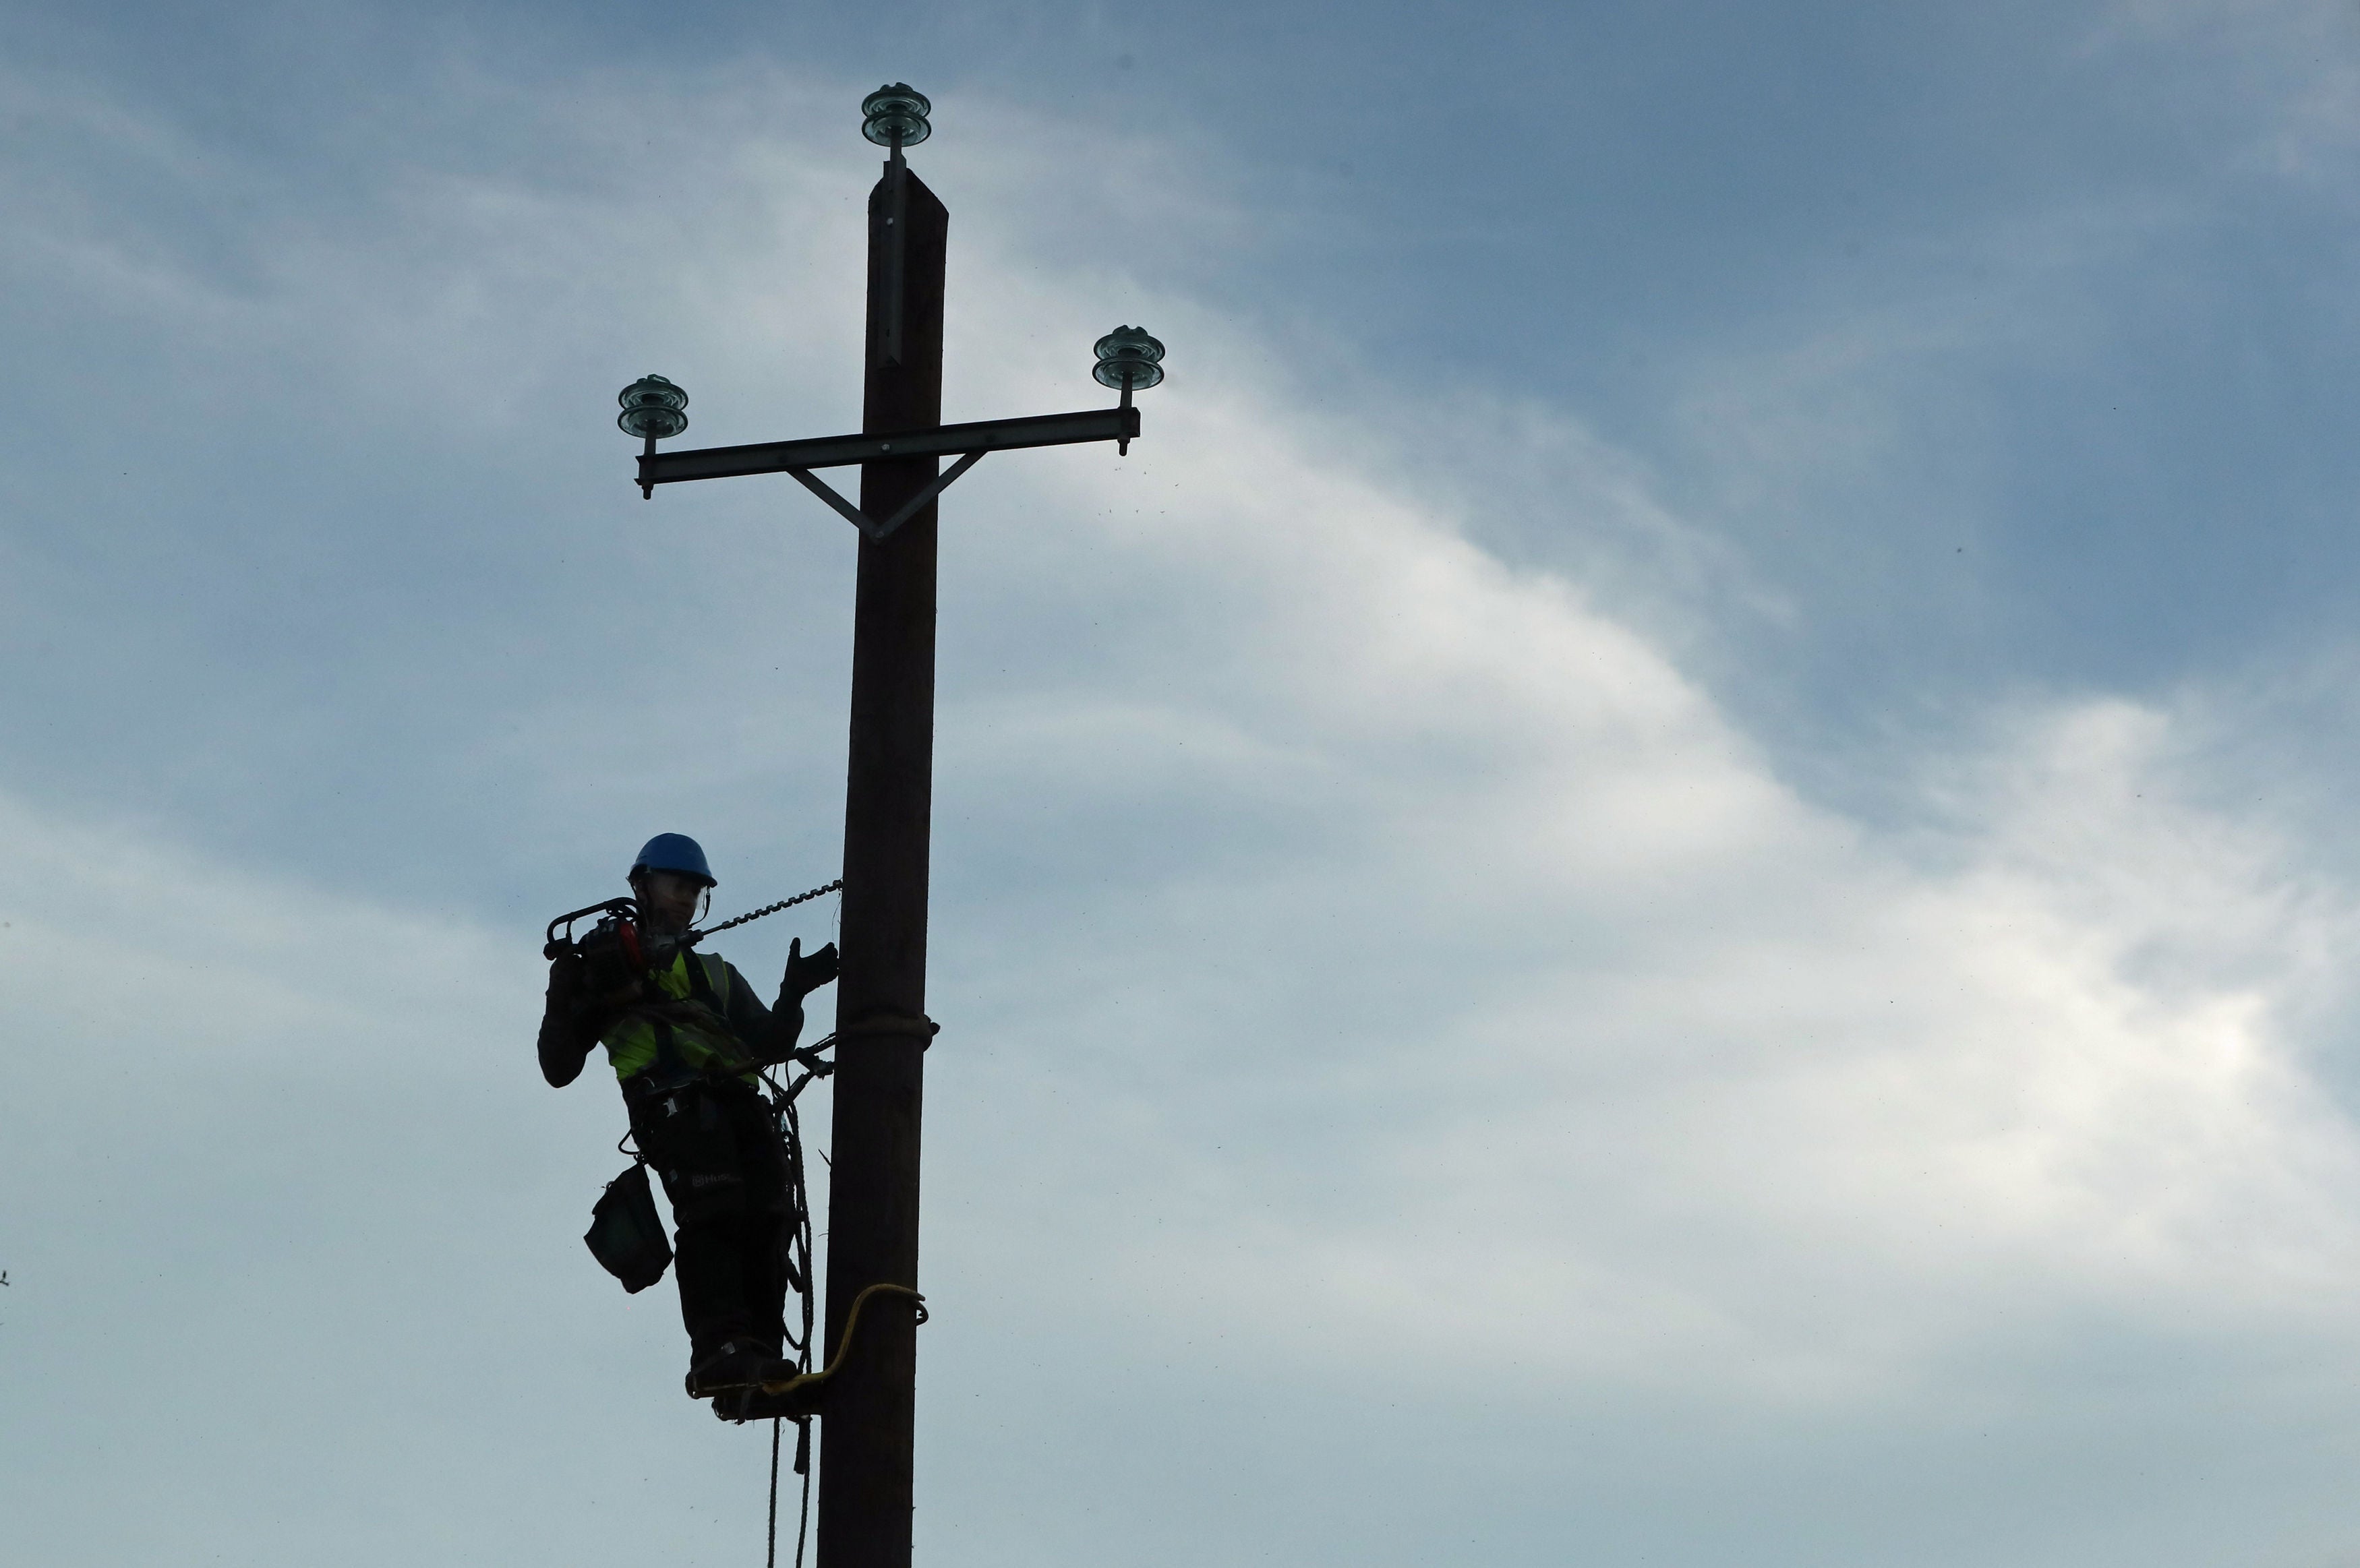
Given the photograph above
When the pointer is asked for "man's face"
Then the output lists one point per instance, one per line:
(668, 901)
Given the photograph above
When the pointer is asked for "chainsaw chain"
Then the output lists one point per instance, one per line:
(834, 886)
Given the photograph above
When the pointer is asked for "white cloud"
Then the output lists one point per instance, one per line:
(1700, 1082)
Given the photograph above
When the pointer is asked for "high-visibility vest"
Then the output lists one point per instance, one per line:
(682, 1023)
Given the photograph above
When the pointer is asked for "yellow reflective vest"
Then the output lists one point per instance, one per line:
(682, 1023)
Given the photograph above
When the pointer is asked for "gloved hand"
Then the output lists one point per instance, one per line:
(567, 1035)
(574, 997)
(805, 976)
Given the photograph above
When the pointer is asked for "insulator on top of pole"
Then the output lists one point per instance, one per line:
(895, 117)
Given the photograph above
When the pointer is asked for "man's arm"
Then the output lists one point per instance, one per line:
(571, 1023)
(771, 1032)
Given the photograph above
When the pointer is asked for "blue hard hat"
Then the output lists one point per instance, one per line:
(673, 852)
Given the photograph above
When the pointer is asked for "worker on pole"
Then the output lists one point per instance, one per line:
(686, 1034)
(868, 1470)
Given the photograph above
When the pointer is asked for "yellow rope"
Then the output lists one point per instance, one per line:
(844, 1344)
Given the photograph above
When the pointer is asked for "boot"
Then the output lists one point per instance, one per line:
(740, 1363)
(755, 1404)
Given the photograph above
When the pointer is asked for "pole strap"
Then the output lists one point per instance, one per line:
(917, 1024)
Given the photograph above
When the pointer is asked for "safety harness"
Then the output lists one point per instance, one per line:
(685, 1036)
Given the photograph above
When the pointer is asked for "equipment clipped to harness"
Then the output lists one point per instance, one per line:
(626, 1233)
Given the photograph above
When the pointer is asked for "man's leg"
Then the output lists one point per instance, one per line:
(762, 1237)
(761, 1258)
(695, 1147)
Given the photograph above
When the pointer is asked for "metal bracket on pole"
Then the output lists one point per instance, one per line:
(862, 520)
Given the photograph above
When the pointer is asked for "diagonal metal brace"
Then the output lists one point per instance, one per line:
(862, 520)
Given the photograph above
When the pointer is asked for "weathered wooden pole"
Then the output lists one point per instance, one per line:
(868, 1412)
(865, 1498)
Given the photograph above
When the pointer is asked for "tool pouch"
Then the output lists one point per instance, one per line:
(626, 1235)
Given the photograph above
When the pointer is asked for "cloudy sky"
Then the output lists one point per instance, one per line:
(1664, 881)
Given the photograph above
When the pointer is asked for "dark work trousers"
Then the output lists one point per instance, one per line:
(716, 1147)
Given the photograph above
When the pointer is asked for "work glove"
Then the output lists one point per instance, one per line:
(806, 974)
(565, 1036)
(572, 998)
(565, 981)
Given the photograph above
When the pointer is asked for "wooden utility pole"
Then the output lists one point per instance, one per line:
(881, 1030)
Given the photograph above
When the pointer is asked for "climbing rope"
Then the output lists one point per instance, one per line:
(802, 1468)
(796, 1255)
(803, 1435)
(801, 1278)
(771, 1556)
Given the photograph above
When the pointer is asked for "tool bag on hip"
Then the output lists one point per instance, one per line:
(626, 1235)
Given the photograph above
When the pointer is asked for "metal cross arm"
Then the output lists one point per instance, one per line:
(1128, 360)
(838, 452)
(970, 441)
